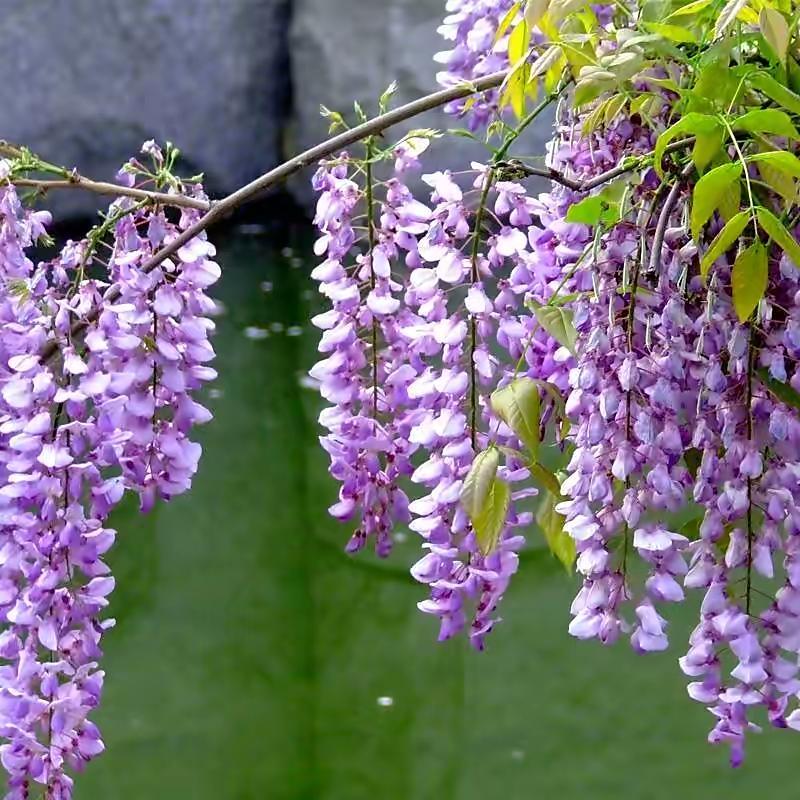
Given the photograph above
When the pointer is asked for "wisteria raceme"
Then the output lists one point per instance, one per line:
(681, 452)
(471, 27)
(366, 455)
(111, 413)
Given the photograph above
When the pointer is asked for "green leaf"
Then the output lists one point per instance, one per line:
(478, 482)
(724, 239)
(775, 30)
(706, 147)
(488, 524)
(767, 120)
(561, 544)
(779, 159)
(675, 33)
(709, 191)
(776, 91)
(692, 458)
(588, 211)
(546, 479)
(505, 23)
(776, 230)
(691, 528)
(692, 124)
(783, 391)
(749, 279)
(690, 8)
(727, 16)
(558, 323)
(518, 406)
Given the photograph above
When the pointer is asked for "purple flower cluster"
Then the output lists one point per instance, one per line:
(408, 368)
(681, 454)
(471, 28)
(111, 412)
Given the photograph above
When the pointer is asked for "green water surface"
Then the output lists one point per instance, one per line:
(254, 660)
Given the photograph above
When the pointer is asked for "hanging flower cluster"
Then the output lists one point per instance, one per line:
(110, 411)
(641, 318)
(639, 323)
(472, 27)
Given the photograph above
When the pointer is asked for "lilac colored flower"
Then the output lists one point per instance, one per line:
(112, 413)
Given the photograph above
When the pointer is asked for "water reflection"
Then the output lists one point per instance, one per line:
(252, 657)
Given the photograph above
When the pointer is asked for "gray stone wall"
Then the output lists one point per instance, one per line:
(85, 82)
(345, 50)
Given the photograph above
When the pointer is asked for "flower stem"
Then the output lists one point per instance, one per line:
(749, 400)
(371, 238)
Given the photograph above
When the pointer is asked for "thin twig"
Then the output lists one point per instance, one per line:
(224, 207)
(598, 180)
(100, 187)
(663, 217)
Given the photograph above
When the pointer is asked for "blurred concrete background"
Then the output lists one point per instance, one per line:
(236, 84)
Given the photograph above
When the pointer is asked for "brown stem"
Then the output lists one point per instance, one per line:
(663, 217)
(100, 187)
(275, 176)
(750, 532)
(598, 180)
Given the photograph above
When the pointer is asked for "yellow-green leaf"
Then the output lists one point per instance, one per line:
(613, 107)
(545, 479)
(779, 159)
(535, 10)
(675, 33)
(776, 31)
(706, 147)
(749, 279)
(776, 230)
(767, 120)
(518, 42)
(560, 9)
(690, 8)
(731, 203)
(776, 91)
(553, 74)
(561, 544)
(709, 191)
(518, 406)
(505, 23)
(724, 239)
(747, 15)
(488, 523)
(514, 89)
(558, 323)
(479, 480)
(693, 123)
(591, 86)
(779, 169)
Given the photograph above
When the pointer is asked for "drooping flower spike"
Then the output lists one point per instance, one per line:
(111, 413)
(604, 318)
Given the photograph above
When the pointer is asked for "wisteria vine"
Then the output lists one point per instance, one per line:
(638, 321)
(111, 414)
(638, 325)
